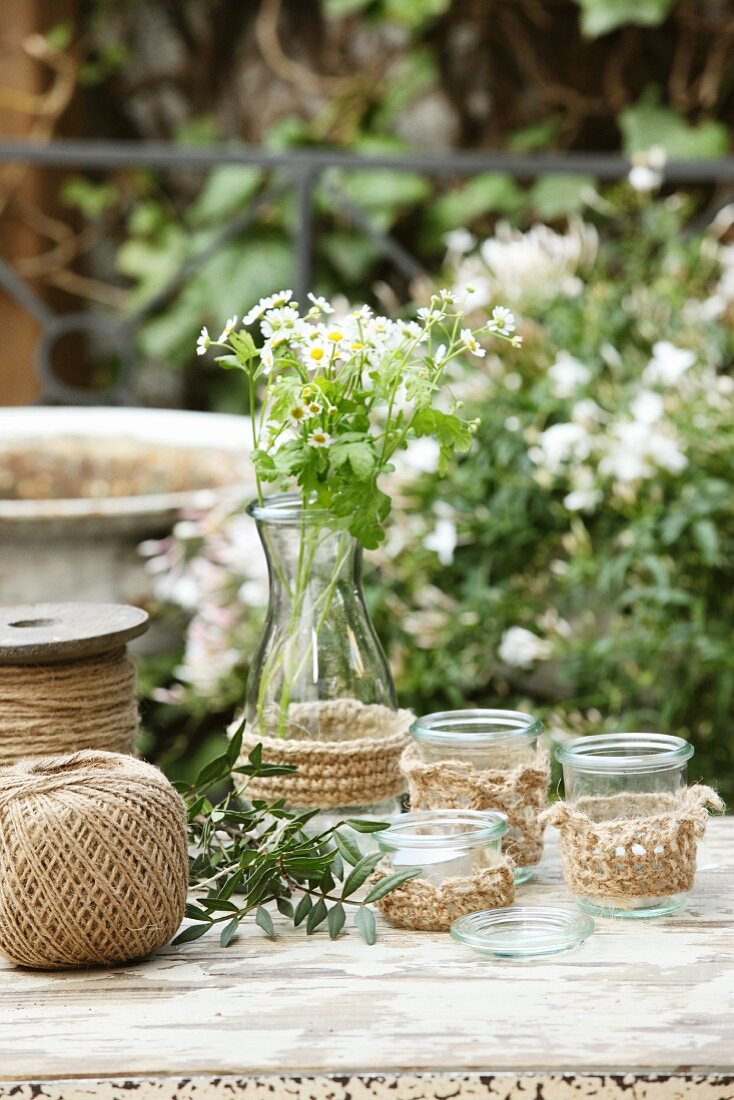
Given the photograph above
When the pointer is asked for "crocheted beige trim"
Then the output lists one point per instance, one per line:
(350, 756)
(425, 907)
(520, 792)
(629, 846)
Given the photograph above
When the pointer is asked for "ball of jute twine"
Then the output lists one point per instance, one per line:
(521, 792)
(87, 703)
(426, 907)
(626, 846)
(93, 860)
(347, 754)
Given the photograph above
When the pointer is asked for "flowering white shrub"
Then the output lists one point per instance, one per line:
(580, 559)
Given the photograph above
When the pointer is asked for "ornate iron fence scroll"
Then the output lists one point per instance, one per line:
(301, 170)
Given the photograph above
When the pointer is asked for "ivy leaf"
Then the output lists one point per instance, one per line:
(265, 921)
(390, 883)
(336, 920)
(365, 922)
(648, 123)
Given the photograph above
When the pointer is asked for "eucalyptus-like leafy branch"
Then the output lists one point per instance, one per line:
(252, 856)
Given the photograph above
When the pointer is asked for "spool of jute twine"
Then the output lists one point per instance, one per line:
(93, 860)
(629, 845)
(347, 754)
(67, 681)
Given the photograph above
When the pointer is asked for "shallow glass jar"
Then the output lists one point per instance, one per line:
(484, 740)
(618, 777)
(443, 844)
(319, 673)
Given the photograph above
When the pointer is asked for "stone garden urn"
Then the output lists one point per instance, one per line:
(80, 488)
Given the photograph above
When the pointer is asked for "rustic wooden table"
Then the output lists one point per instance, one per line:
(643, 1010)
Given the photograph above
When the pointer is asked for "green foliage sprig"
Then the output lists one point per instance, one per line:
(249, 856)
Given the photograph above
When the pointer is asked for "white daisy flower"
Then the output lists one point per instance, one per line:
(280, 319)
(428, 315)
(298, 414)
(271, 302)
(502, 321)
(319, 439)
(203, 341)
(314, 354)
(313, 408)
(320, 305)
(267, 357)
(228, 329)
(364, 313)
(470, 343)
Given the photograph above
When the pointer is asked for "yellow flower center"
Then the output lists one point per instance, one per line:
(335, 336)
(316, 353)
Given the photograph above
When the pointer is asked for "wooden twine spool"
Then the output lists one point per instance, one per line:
(67, 681)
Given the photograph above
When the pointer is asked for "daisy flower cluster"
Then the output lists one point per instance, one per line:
(340, 394)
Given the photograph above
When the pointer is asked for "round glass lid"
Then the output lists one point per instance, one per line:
(523, 931)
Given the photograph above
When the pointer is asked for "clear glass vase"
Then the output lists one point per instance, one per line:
(319, 662)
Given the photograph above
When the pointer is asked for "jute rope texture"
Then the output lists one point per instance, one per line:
(520, 792)
(347, 754)
(426, 907)
(93, 860)
(629, 846)
(89, 703)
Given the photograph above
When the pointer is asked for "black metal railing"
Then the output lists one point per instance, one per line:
(302, 170)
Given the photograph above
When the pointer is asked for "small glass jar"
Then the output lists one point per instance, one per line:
(483, 740)
(620, 777)
(443, 844)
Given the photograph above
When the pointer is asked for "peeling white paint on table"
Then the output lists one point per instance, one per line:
(644, 1008)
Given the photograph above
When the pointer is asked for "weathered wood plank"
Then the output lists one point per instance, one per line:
(638, 998)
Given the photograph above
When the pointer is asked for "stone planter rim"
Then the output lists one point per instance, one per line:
(167, 427)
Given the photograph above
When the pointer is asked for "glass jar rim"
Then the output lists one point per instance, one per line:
(458, 728)
(287, 509)
(624, 752)
(478, 827)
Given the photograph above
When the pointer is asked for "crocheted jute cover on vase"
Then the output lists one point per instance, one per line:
(628, 846)
(521, 792)
(426, 907)
(347, 754)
